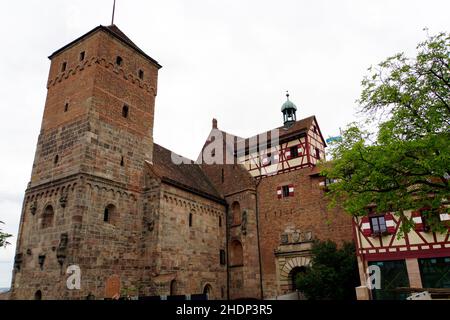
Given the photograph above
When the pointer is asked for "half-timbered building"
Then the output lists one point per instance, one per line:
(419, 259)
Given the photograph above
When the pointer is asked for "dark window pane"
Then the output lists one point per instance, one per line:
(285, 191)
(393, 275)
(294, 152)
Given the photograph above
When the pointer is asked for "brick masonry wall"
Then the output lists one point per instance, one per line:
(305, 211)
(90, 138)
(245, 279)
(190, 255)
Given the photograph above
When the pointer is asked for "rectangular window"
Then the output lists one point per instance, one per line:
(82, 55)
(317, 153)
(285, 191)
(294, 152)
(378, 224)
(64, 67)
(222, 257)
(190, 219)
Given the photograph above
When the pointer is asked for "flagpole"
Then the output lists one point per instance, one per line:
(114, 11)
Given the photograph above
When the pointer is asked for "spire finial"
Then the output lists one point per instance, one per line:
(114, 12)
(287, 94)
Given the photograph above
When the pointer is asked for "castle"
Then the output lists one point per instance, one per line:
(133, 215)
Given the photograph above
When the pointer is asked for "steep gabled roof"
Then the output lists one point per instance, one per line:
(185, 176)
(285, 133)
(115, 32)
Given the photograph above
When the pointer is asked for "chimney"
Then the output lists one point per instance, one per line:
(214, 123)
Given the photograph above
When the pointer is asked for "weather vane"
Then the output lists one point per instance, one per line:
(114, 11)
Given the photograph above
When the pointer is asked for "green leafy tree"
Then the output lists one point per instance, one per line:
(399, 157)
(3, 237)
(333, 274)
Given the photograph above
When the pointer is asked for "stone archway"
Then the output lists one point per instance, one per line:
(285, 278)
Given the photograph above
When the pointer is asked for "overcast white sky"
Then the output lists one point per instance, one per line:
(231, 59)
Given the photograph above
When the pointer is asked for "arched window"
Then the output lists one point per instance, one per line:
(173, 287)
(38, 295)
(125, 111)
(207, 290)
(47, 217)
(109, 215)
(236, 210)
(236, 253)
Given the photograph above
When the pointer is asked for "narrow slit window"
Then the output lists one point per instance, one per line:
(66, 107)
(63, 66)
(82, 56)
(56, 159)
(122, 162)
(125, 111)
(141, 74)
(119, 61)
(190, 219)
(106, 215)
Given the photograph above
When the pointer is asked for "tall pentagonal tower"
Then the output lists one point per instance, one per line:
(83, 204)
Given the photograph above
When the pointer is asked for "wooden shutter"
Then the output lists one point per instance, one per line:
(445, 218)
(418, 221)
(365, 226)
(291, 190)
(287, 152)
(390, 223)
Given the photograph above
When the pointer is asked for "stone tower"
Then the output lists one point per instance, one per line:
(83, 205)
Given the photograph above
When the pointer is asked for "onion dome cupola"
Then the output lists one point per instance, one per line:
(289, 110)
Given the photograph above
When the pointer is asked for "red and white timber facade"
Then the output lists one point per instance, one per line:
(377, 241)
(296, 149)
